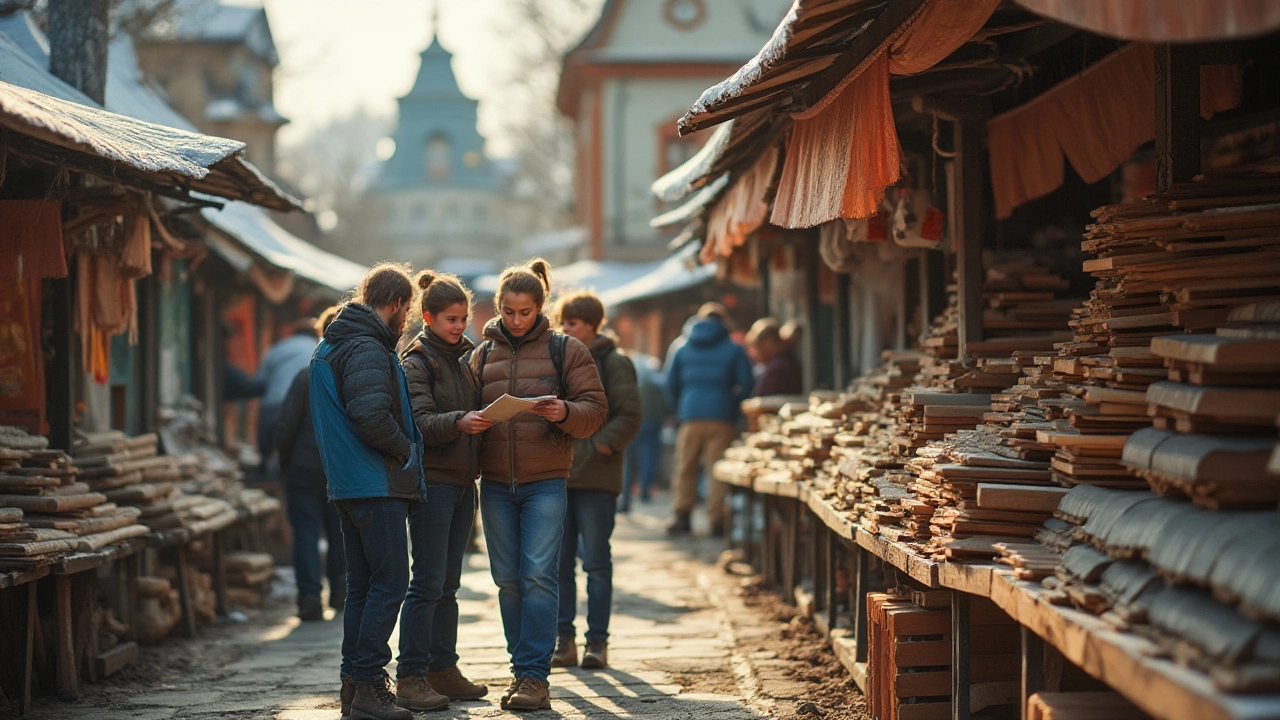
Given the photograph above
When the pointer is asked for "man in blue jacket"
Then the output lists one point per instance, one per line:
(709, 377)
(371, 451)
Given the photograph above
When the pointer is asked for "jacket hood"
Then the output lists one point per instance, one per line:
(708, 332)
(493, 331)
(355, 320)
(426, 338)
(603, 345)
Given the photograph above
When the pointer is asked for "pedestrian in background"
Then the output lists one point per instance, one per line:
(524, 463)
(277, 371)
(445, 396)
(594, 484)
(645, 451)
(780, 369)
(709, 377)
(307, 497)
(371, 451)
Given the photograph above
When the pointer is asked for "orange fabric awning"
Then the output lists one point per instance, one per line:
(844, 151)
(742, 210)
(1096, 119)
(1164, 20)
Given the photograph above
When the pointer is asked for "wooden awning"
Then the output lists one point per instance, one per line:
(1164, 20)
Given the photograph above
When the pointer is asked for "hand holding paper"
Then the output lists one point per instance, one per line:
(507, 406)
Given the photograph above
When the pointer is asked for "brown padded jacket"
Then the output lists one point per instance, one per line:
(527, 448)
(442, 388)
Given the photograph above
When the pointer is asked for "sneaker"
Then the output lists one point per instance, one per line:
(347, 694)
(566, 654)
(310, 609)
(597, 655)
(451, 683)
(680, 526)
(415, 693)
(512, 688)
(530, 695)
(374, 701)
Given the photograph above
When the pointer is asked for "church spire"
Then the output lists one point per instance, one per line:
(435, 20)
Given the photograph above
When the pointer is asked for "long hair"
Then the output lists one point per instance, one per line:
(386, 283)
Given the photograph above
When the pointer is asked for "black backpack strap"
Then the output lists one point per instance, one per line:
(556, 345)
(429, 362)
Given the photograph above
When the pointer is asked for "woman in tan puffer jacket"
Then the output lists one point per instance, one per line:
(524, 463)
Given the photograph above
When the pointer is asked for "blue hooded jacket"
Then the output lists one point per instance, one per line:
(710, 375)
(360, 407)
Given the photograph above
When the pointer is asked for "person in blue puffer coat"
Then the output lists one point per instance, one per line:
(708, 378)
(371, 451)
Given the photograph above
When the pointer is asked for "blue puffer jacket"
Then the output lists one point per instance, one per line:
(360, 407)
(710, 375)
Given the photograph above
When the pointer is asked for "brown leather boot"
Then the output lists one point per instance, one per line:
(512, 687)
(597, 655)
(566, 654)
(374, 701)
(415, 693)
(451, 683)
(531, 695)
(347, 694)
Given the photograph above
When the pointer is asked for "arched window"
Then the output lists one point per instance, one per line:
(439, 160)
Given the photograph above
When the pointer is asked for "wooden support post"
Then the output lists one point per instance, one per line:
(220, 572)
(815, 561)
(833, 587)
(33, 623)
(861, 587)
(188, 621)
(68, 680)
(792, 567)
(1177, 75)
(132, 570)
(842, 335)
(17, 644)
(959, 656)
(966, 193)
(1032, 649)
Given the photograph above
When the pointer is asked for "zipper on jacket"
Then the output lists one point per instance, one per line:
(511, 388)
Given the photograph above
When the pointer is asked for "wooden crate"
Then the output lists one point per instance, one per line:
(909, 658)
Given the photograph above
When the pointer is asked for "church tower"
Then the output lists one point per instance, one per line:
(441, 201)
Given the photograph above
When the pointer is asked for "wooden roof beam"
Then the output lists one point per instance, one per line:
(895, 14)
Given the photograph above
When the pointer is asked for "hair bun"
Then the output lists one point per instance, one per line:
(542, 269)
(425, 278)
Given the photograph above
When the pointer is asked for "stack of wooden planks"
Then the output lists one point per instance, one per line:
(59, 513)
(1200, 583)
(1081, 706)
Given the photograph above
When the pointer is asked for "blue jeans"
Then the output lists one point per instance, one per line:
(641, 461)
(439, 530)
(377, 549)
(523, 526)
(312, 515)
(588, 525)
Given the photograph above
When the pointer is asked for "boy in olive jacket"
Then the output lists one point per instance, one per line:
(594, 484)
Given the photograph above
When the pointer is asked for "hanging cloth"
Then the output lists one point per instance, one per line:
(31, 240)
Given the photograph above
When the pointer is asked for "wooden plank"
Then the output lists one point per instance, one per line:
(1027, 498)
(113, 660)
(67, 676)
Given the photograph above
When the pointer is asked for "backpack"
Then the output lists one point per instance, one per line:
(555, 344)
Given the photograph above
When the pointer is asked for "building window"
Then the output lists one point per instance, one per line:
(676, 150)
(438, 158)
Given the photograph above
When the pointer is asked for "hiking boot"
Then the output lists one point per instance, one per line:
(347, 694)
(530, 695)
(597, 655)
(512, 687)
(414, 692)
(451, 683)
(374, 701)
(680, 526)
(310, 609)
(566, 654)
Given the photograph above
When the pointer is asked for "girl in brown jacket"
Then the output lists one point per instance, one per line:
(445, 397)
(524, 463)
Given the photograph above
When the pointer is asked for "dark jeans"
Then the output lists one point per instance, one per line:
(439, 530)
(523, 527)
(641, 461)
(377, 548)
(588, 525)
(312, 515)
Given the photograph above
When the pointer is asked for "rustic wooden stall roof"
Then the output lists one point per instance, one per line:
(165, 160)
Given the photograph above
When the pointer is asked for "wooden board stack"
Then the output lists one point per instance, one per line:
(1199, 583)
(1081, 706)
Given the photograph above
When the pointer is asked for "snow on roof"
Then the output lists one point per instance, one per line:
(770, 55)
(693, 207)
(683, 180)
(254, 228)
(678, 272)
